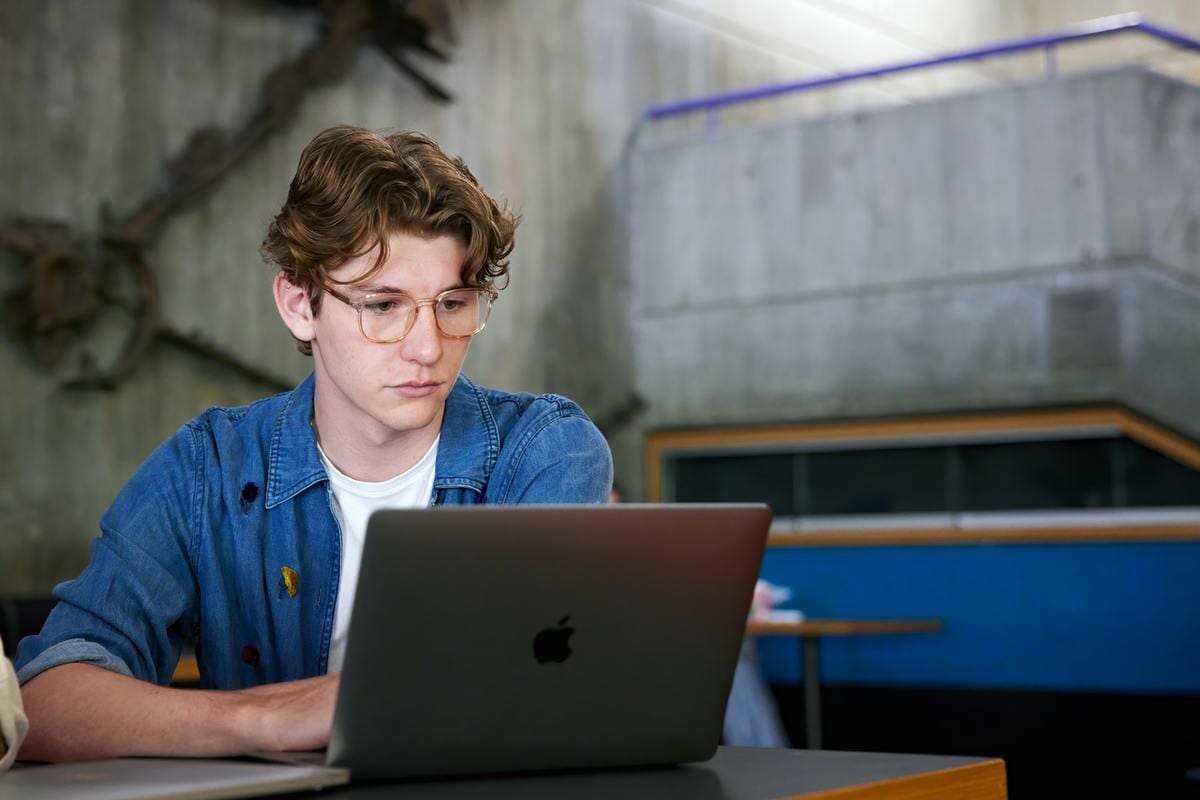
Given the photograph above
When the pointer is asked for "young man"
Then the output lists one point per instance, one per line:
(243, 532)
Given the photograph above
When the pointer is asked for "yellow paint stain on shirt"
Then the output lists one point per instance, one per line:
(291, 579)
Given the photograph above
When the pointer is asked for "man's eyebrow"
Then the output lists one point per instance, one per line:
(398, 290)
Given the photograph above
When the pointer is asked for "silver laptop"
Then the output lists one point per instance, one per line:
(496, 639)
(162, 779)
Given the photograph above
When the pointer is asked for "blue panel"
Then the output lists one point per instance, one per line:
(1086, 617)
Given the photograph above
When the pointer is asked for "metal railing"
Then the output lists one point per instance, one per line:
(1103, 26)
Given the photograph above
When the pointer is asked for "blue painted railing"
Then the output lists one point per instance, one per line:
(1104, 26)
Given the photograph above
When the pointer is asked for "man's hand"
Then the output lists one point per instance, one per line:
(79, 711)
(297, 715)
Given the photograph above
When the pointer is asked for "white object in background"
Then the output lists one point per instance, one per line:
(13, 724)
(766, 597)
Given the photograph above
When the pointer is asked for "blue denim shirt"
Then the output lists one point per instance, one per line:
(195, 545)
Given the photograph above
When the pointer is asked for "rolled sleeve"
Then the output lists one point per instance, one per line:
(72, 651)
(131, 607)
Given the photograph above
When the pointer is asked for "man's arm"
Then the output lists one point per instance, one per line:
(79, 712)
(136, 601)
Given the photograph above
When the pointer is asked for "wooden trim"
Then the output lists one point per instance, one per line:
(890, 428)
(1160, 439)
(1166, 532)
(844, 627)
(985, 780)
(733, 438)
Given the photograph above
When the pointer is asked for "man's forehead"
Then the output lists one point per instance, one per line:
(410, 259)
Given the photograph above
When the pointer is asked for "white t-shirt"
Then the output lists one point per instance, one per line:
(353, 503)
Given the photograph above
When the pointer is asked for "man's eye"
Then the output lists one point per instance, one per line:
(381, 306)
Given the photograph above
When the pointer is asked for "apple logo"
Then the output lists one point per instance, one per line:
(551, 645)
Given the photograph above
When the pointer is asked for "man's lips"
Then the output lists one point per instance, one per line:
(416, 388)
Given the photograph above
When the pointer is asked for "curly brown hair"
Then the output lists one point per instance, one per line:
(354, 188)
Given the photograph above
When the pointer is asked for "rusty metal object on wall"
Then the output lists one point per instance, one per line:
(70, 282)
(71, 279)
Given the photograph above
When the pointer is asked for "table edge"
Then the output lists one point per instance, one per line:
(983, 780)
(844, 627)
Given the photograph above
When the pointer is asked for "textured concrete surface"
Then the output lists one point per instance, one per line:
(1032, 245)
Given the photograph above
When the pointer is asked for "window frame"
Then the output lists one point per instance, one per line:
(1046, 424)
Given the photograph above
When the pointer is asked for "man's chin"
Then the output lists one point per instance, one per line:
(410, 419)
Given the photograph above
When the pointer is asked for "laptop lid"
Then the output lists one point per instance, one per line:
(511, 638)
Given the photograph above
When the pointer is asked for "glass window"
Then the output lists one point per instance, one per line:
(1152, 479)
(884, 481)
(1067, 474)
(1004, 476)
(752, 478)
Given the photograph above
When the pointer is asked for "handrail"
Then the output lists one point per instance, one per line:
(1103, 26)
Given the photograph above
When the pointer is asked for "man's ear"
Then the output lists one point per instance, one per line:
(294, 308)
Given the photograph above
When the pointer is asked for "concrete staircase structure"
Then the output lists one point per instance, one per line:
(1033, 245)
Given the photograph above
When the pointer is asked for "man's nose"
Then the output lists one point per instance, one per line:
(423, 343)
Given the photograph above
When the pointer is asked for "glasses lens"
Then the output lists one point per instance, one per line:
(386, 317)
(463, 312)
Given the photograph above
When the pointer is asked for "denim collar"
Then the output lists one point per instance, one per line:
(467, 451)
(470, 441)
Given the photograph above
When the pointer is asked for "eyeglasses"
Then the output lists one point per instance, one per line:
(388, 317)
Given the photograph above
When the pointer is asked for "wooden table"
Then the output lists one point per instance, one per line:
(811, 632)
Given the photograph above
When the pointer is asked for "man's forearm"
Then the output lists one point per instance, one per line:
(78, 711)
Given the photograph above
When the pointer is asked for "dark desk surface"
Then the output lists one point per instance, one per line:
(736, 773)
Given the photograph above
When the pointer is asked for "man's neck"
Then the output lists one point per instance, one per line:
(369, 452)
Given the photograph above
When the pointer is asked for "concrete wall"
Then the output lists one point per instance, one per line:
(97, 96)
(1031, 245)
